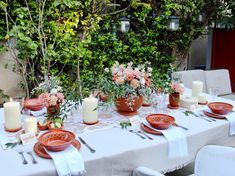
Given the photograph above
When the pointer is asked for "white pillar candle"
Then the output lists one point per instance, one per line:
(30, 125)
(89, 110)
(197, 87)
(202, 98)
(12, 116)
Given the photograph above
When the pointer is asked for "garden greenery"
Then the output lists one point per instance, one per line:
(74, 40)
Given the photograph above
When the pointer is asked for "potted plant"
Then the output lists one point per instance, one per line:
(125, 85)
(174, 94)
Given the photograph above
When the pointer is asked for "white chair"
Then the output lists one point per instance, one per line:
(220, 79)
(188, 76)
(211, 160)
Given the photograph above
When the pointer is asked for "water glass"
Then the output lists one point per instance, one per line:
(214, 92)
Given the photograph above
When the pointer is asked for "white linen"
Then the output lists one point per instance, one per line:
(38, 113)
(4, 140)
(68, 162)
(177, 141)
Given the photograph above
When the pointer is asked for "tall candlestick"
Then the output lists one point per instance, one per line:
(89, 110)
(30, 125)
(197, 87)
(12, 116)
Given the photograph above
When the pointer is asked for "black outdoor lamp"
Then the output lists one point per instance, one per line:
(173, 23)
(124, 24)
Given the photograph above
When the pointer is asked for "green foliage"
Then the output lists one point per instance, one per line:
(72, 39)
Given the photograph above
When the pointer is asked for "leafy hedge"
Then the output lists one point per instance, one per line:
(72, 38)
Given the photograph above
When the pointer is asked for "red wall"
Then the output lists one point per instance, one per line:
(223, 52)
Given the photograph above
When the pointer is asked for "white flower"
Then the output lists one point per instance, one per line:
(106, 70)
(142, 81)
(53, 91)
(150, 69)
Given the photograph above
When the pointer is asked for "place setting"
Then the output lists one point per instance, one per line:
(221, 111)
(162, 124)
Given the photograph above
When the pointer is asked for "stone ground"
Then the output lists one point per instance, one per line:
(186, 171)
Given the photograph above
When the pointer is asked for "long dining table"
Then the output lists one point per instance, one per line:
(119, 151)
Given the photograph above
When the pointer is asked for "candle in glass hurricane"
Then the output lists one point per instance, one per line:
(197, 87)
(30, 125)
(89, 110)
(12, 116)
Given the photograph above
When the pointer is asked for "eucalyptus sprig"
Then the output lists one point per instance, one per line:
(125, 124)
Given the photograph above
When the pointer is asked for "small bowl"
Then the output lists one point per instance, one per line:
(54, 128)
(33, 104)
(220, 108)
(56, 140)
(160, 121)
(42, 127)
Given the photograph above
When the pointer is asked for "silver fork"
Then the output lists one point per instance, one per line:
(32, 157)
(132, 131)
(23, 158)
(145, 135)
(204, 116)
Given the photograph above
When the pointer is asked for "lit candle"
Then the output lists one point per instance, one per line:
(12, 116)
(202, 98)
(89, 110)
(197, 87)
(30, 125)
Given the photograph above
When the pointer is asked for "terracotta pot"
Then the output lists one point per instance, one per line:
(53, 110)
(128, 110)
(174, 99)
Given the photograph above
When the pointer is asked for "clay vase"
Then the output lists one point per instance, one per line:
(53, 110)
(174, 99)
(129, 106)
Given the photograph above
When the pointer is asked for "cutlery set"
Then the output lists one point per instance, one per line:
(24, 161)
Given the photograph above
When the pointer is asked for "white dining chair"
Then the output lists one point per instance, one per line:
(210, 160)
(188, 76)
(219, 79)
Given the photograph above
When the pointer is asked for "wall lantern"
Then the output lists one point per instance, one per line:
(173, 23)
(124, 24)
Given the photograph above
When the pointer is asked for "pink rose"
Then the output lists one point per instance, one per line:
(44, 97)
(177, 88)
(115, 77)
(135, 83)
(60, 96)
(119, 80)
(147, 82)
(129, 76)
(53, 100)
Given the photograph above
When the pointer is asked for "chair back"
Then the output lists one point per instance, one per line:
(218, 79)
(188, 76)
(214, 160)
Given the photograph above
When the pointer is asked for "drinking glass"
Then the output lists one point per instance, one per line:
(214, 92)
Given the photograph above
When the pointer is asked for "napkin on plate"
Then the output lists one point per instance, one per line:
(68, 162)
(38, 113)
(231, 118)
(7, 142)
(177, 141)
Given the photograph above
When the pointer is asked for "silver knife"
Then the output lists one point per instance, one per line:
(89, 147)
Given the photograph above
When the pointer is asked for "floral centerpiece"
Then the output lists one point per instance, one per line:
(125, 85)
(175, 90)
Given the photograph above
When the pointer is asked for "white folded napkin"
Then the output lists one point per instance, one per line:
(38, 113)
(177, 141)
(68, 162)
(231, 118)
(7, 142)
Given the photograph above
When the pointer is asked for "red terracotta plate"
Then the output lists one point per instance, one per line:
(149, 130)
(40, 151)
(213, 115)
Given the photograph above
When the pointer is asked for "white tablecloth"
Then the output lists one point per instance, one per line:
(118, 151)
